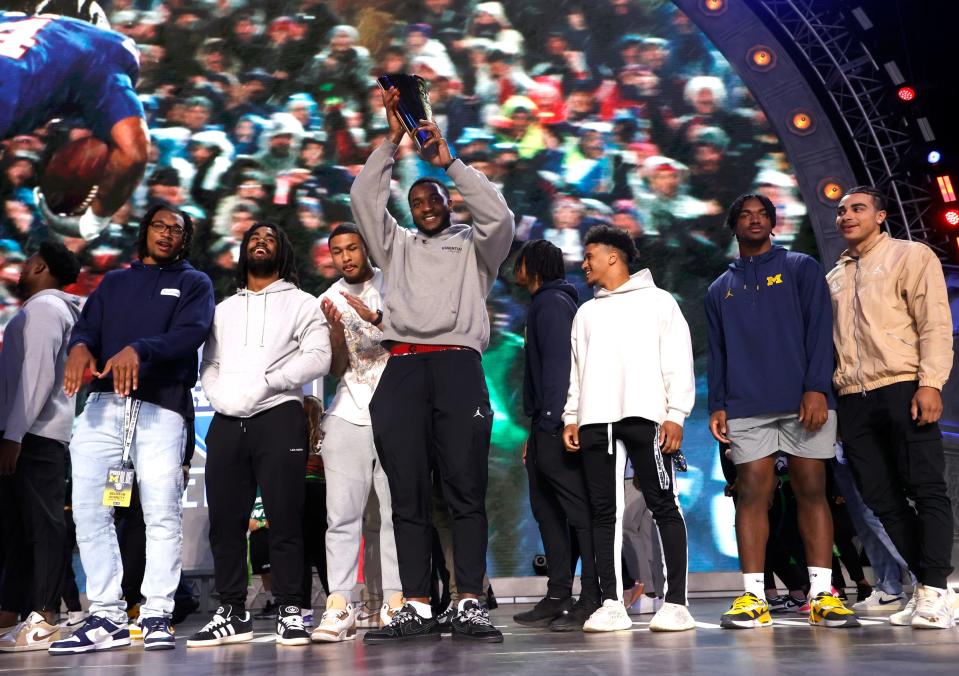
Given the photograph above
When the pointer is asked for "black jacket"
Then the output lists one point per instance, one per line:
(549, 322)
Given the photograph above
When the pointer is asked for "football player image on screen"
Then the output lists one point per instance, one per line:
(59, 59)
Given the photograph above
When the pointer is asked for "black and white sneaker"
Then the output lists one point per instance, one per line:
(445, 619)
(157, 633)
(406, 625)
(289, 627)
(225, 627)
(472, 623)
(269, 611)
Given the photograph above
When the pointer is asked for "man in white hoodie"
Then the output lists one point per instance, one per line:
(36, 418)
(267, 342)
(631, 387)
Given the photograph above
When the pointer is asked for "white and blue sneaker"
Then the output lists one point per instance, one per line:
(96, 633)
(157, 633)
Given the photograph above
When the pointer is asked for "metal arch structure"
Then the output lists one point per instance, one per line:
(861, 95)
(842, 88)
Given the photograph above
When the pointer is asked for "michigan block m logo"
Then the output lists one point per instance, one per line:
(777, 279)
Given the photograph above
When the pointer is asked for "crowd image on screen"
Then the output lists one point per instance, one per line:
(609, 111)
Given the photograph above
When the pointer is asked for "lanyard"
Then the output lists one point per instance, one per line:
(131, 411)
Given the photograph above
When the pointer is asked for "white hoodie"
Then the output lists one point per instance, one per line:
(264, 346)
(631, 357)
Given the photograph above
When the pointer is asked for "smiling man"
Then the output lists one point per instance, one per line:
(352, 308)
(631, 387)
(431, 409)
(771, 396)
(267, 342)
(138, 334)
(893, 342)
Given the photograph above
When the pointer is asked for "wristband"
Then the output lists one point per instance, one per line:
(379, 318)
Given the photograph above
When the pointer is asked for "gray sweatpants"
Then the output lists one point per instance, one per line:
(352, 468)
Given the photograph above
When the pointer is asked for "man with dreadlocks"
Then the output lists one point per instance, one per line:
(138, 334)
(267, 341)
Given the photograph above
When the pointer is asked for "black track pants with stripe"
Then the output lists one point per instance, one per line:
(604, 464)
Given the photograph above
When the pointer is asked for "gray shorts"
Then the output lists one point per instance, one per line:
(764, 435)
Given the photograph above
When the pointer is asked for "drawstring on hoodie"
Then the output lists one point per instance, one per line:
(263, 323)
(609, 436)
(246, 326)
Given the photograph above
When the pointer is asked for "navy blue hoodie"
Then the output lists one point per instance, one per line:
(165, 313)
(549, 322)
(770, 335)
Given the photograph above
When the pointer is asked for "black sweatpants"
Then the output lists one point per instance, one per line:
(33, 526)
(431, 410)
(604, 464)
(893, 458)
(314, 539)
(266, 450)
(558, 497)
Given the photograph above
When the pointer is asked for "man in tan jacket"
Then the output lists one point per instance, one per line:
(893, 336)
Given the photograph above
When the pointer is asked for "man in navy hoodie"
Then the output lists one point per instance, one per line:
(770, 391)
(138, 334)
(557, 488)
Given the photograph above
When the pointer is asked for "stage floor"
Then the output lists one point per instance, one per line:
(789, 647)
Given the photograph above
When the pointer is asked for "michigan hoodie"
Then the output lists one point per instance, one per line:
(631, 357)
(31, 368)
(264, 346)
(546, 380)
(770, 335)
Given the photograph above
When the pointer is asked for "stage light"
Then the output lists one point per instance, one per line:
(832, 191)
(801, 122)
(712, 7)
(945, 189)
(952, 217)
(906, 93)
(933, 157)
(761, 58)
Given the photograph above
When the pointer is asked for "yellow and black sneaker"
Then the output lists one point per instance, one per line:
(747, 612)
(827, 610)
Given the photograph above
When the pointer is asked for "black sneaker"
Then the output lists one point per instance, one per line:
(445, 619)
(472, 623)
(784, 603)
(544, 612)
(574, 618)
(269, 611)
(406, 625)
(225, 627)
(289, 627)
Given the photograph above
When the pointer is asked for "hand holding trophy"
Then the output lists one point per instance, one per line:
(407, 102)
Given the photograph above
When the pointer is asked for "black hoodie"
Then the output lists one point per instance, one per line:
(549, 323)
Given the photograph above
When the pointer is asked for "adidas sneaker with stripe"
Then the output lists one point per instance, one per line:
(225, 627)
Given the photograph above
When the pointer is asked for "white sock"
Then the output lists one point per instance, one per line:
(820, 580)
(755, 583)
(424, 610)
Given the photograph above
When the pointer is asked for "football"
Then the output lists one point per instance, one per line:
(70, 179)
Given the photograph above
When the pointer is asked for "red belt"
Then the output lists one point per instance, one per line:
(402, 349)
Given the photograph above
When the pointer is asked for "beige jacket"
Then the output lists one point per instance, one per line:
(891, 317)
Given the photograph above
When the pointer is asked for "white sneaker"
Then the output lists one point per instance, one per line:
(338, 622)
(367, 618)
(645, 605)
(32, 634)
(880, 602)
(904, 617)
(72, 622)
(391, 607)
(672, 617)
(611, 616)
(936, 609)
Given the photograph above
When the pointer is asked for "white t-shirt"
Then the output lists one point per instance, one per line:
(367, 356)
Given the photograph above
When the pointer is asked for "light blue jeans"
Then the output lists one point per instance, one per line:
(887, 565)
(157, 455)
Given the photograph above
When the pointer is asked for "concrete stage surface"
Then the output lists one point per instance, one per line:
(789, 647)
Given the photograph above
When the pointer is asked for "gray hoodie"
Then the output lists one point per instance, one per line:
(31, 368)
(264, 346)
(436, 287)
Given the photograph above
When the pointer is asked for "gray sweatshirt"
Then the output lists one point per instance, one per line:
(436, 287)
(31, 368)
(264, 346)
